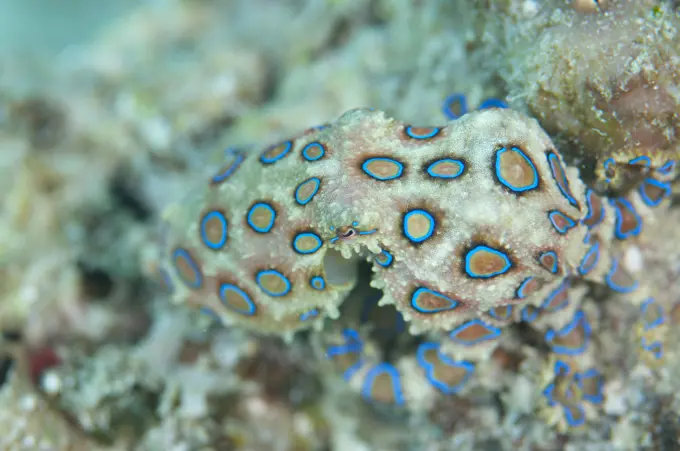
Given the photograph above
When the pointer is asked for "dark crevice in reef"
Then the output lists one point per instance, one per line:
(122, 191)
(96, 283)
(532, 337)
(6, 365)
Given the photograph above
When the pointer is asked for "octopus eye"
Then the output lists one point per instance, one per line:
(347, 233)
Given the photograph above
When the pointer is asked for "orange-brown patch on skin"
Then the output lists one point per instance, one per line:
(430, 301)
(502, 314)
(313, 152)
(596, 209)
(274, 283)
(485, 263)
(448, 168)
(472, 333)
(655, 193)
(234, 302)
(549, 260)
(562, 221)
(384, 169)
(507, 360)
(447, 374)
(558, 171)
(383, 388)
(436, 212)
(515, 170)
(345, 361)
(487, 237)
(185, 269)
(629, 220)
(558, 299)
(530, 287)
(410, 142)
(261, 216)
(622, 278)
(306, 242)
(213, 227)
(573, 340)
(275, 152)
(306, 189)
(418, 225)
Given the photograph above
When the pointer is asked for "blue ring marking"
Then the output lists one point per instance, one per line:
(447, 107)
(554, 162)
(556, 264)
(302, 235)
(507, 184)
(589, 203)
(422, 290)
(427, 235)
(584, 268)
(316, 182)
(619, 288)
(548, 392)
(551, 297)
(315, 144)
(411, 134)
(522, 286)
(483, 248)
(388, 259)
(353, 345)
(268, 227)
(492, 332)
(667, 168)
(666, 187)
(579, 319)
(619, 219)
(198, 277)
(430, 372)
(607, 164)
(561, 230)
(167, 280)
(317, 283)
(219, 244)
(365, 168)
(646, 161)
(574, 421)
(592, 373)
(530, 316)
(508, 312)
(655, 347)
(373, 373)
(227, 172)
(659, 313)
(313, 313)
(270, 160)
(492, 102)
(432, 168)
(355, 224)
(225, 287)
(367, 232)
(272, 272)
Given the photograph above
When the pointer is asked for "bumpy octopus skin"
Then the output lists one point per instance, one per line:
(468, 227)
